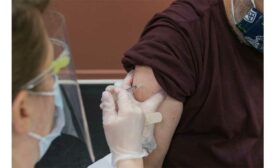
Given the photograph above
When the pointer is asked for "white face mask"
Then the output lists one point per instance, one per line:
(59, 122)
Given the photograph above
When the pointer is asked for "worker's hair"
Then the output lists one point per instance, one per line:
(29, 44)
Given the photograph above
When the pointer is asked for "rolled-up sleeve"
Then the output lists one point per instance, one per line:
(167, 52)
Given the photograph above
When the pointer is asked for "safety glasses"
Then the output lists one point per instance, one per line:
(62, 61)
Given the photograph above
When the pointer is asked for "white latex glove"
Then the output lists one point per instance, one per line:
(151, 116)
(124, 120)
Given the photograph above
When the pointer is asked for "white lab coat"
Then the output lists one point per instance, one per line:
(105, 162)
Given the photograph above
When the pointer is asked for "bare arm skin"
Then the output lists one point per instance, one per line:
(171, 110)
(133, 163)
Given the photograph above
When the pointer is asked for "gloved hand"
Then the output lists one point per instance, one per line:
(124, 120)
(151, 116)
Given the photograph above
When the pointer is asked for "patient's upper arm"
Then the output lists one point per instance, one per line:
(171, 110)
(146, 83)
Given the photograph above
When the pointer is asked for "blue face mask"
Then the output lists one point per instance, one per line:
(59, 121)
(252, 26)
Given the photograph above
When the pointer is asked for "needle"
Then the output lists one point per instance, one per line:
(130, 89)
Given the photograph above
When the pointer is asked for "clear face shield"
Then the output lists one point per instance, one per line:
(74, 142)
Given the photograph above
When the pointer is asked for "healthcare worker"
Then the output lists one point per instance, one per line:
(49, 126)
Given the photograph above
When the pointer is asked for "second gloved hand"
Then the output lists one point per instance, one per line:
(149, 108)
(123, 122)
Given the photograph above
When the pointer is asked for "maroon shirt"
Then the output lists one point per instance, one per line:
(197, 59)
